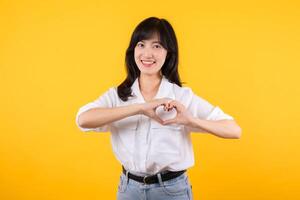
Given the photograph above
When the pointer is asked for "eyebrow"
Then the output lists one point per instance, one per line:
(152, 42)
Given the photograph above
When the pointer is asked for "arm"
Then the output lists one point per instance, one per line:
(98, 117)
(221, 128)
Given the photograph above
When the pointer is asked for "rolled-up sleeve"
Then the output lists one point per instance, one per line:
(106, 100)
(202, 109)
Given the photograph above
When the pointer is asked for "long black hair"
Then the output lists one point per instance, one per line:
(145, 30)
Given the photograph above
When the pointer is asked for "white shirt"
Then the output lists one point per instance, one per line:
(141, 144)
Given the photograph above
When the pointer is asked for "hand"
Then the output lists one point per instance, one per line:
(183, 116)
(149, 108)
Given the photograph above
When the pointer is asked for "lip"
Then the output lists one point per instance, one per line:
(148, 63)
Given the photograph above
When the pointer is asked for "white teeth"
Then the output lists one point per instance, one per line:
(147, 62)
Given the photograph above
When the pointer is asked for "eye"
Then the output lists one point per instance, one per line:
(140, 44)
(157, 46)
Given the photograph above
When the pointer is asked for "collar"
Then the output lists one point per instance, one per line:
(165, 90)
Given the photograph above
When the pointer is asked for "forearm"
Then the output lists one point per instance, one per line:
(97, 117)
(220, 128)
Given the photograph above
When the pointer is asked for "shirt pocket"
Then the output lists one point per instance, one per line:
(124, 136)
(166, 144)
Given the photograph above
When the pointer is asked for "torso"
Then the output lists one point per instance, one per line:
(148, 97)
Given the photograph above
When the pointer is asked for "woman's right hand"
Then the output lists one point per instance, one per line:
(149, 108)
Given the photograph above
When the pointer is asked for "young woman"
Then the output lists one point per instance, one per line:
(150, 117)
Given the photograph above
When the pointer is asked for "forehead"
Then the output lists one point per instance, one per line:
(152, 37)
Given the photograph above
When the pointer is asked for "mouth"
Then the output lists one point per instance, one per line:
(148, 63)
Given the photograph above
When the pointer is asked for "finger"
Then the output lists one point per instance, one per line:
(170, 121)
(163, 104)
(171, 105)
(156, 118)
(178, 106)
(165, 101)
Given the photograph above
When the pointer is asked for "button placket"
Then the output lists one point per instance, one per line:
(148, 131)
(141, 143)
(148, 142)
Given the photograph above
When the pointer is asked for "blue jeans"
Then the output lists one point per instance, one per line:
(178, 188)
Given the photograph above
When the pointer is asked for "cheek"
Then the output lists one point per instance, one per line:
(135, 53)
(136, 56)
(162, 56)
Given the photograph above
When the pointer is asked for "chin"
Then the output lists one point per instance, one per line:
(149, 72)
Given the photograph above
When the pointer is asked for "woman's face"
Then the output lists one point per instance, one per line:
(150, 55)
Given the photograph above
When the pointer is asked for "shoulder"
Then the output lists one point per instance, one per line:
(113, 90)
(182, 92)
(110, 96)
(110, 92)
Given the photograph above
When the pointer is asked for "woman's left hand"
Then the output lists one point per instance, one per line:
(183, 116)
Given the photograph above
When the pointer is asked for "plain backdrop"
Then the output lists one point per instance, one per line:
(56, 56)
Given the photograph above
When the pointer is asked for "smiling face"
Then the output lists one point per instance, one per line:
(150, 55)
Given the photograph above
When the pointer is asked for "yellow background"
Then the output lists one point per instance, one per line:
(56, 56)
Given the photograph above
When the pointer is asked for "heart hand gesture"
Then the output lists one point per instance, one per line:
(183, 116)
(150, 109)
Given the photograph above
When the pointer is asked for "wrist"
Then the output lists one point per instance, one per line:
(192, 121)
(139, 108)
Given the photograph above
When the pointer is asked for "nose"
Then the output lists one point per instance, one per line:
(147, 53)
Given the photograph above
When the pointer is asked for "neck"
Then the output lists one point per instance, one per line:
(149, 83)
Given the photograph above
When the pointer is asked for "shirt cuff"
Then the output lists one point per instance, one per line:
(218, 114)
(85, 108)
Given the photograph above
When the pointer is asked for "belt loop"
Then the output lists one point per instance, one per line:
(160, 179)
(127, 179)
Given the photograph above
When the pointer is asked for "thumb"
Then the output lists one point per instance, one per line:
(158, 119)
(170, 121)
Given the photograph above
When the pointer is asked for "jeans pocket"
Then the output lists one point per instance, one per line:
(177, 188)
(190, 189)
(122, 184)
